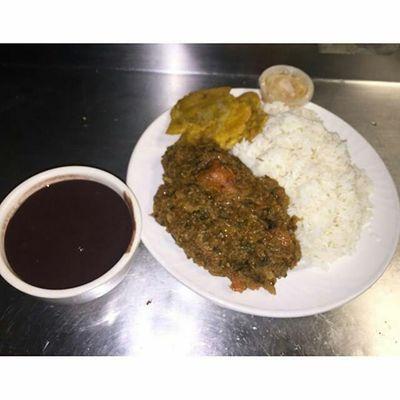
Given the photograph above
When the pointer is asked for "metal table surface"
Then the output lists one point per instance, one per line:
(89, 105)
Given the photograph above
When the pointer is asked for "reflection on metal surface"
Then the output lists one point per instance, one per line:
(150, 313)
(394, 85)
(169, 334)
(176, 58)
(109, 317)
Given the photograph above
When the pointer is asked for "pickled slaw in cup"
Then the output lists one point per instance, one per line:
(286, 84)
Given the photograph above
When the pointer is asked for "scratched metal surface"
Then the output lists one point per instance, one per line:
(56, 116)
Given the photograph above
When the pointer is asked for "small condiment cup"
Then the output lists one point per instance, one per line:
(97, 287)
(273, 93)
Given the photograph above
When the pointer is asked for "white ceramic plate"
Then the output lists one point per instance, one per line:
(305, 291)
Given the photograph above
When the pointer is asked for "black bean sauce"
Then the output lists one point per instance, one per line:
(68, 234)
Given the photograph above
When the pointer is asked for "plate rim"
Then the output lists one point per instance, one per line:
(252, 310)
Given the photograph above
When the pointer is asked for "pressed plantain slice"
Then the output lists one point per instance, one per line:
(214, 115)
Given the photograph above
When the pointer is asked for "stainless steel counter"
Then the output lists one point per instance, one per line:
(94, 114)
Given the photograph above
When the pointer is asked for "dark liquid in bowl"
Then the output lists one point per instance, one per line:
(68, 234)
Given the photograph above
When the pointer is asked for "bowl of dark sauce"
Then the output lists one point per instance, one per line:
(68, 234)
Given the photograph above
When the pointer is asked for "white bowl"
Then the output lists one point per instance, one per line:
(95, 288)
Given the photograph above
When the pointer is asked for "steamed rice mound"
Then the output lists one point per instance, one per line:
(328, 193)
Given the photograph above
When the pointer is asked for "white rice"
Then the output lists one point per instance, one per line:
(328, 193)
